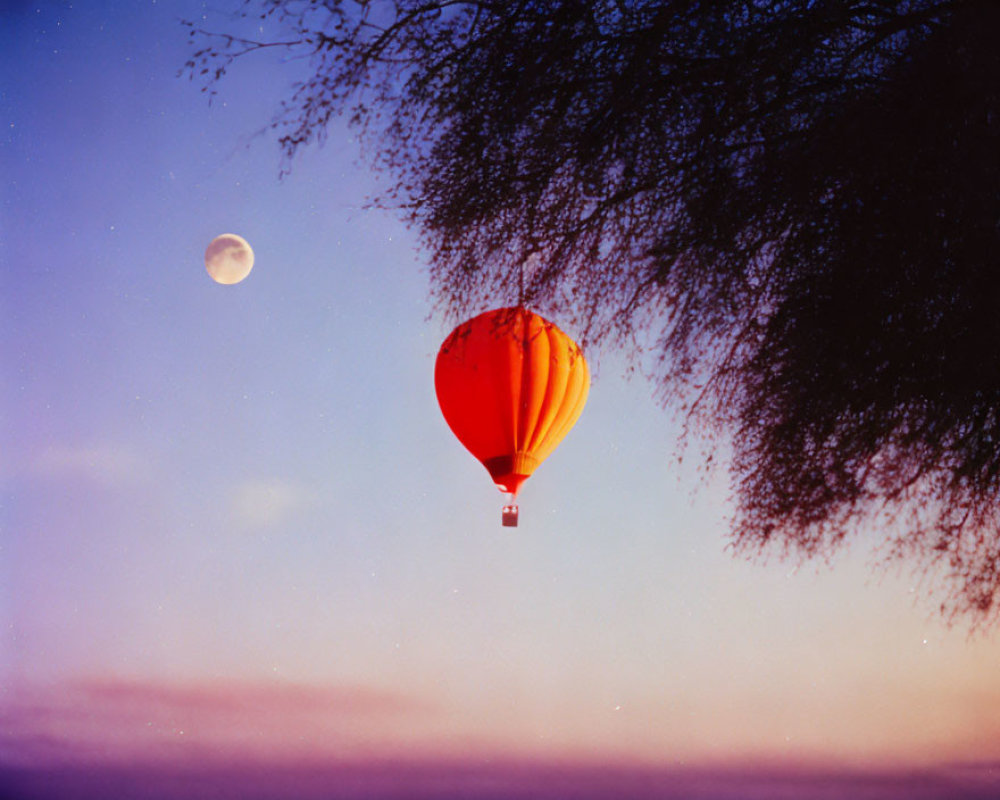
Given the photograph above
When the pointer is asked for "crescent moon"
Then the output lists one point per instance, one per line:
(228, 258)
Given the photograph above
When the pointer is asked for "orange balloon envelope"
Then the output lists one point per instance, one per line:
(510, 385)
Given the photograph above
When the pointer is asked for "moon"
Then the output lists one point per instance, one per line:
(228, 258)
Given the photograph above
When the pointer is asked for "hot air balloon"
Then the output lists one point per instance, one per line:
(510, 385)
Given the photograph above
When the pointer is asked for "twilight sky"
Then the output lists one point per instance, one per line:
(234, 525)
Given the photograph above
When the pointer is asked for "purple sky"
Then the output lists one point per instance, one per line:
(500, 781)
(234, 528)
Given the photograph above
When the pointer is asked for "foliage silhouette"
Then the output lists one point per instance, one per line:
(787, 210)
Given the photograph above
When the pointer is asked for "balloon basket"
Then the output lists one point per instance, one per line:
(509, 516)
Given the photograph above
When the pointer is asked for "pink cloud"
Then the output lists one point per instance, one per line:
(223, 696)
(105, 463)
(127, 738)
(120, 720)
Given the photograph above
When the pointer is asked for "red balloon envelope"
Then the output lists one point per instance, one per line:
(510, 385)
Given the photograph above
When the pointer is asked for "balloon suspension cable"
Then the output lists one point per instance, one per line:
(520, 284)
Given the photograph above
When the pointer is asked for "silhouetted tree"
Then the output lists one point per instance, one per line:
(790, 210)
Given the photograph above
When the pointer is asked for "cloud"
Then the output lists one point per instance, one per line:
(128, 738)
(275, 697)
(267, 503)
(107, 464)
(121, 721)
